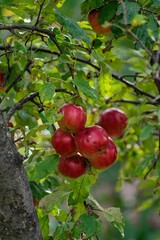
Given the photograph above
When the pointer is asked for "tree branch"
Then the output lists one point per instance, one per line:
(130, 31)
(131, 85)
(19, 105)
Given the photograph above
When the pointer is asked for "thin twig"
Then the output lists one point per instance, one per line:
(156, 160)
(130, 32)
(39, 13)
(131, 85)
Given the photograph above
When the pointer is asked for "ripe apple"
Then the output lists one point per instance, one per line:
(114, 121)
(94, 22)
(72, 167)
(64, 143)
(91, 141)
(107, 158)
(73, 119)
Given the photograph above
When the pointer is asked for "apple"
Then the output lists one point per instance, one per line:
(64, 143)
(91, 141)
(72, 167)
(35, 202)
(1, 79)
(107, 158)
(73, 118)
(114, 121)
(94, 22)
(10, 124)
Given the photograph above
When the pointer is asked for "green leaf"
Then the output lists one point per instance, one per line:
(115, 216)
(19, 46)
(87, 5)
(112, 215)
(44, 168)
(43, 220)
(146, 132)
(34, 130)
(52, 199)
(144, 164)
(6, 2)
(86, 224)
(131, 9)
(109, 8)
(85, 88)
(81, 188)
(47, 91)
(73, 28)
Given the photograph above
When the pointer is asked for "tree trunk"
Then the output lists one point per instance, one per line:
(18, 220)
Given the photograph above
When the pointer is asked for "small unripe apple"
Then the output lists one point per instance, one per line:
(94, 22)
(35, 202)
(107, 158)
(1, 79)
(64, 143)
(72, 167)
(10, 124)
(91, 141)
(73, 118)
(114, 121)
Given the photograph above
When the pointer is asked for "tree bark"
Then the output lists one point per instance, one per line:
(18, 220)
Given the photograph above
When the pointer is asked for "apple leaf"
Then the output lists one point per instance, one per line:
(43, 168)
(52, 199)
(146, 132)
(87, 5)
(73, 28)
(144, 164)
(87, 224)
(44, 222)
(81, 188)
(109, 8)
(131, 9)
(85, 88)
(112, 215)
(47, 91)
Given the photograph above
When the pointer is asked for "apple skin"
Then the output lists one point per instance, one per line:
(72, 167)
(107, 158)
(64, 143)
(94, 22)
(91, 141)
(114, 121)
(73, 119)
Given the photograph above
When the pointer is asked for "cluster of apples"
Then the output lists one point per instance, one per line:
(80, 146)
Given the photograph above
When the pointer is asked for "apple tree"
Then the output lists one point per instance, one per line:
(109, 58)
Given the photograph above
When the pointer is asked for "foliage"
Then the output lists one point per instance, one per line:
(49, 59)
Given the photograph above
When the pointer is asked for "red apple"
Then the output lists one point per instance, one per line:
(64, 143)
(107, 158)
(114, 121)
(94, 22)
(91, 141)
(10, 124)
(1, 79)
(72, 167)
(35, 202)
(73, 119)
